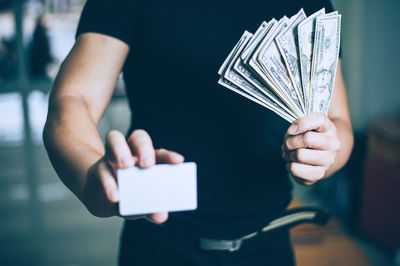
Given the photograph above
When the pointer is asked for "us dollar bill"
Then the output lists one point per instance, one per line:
(243, 85)
(232, 52)
(305, 33)
(263, 75)
(288, 66)
(325, 58)
(257, 68)
(287, 44)
(236, 89)
(257, 39)
(270, 60)
(257, 36)
(245, 72)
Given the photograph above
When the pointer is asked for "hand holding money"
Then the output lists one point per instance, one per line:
(310, 147)
(287, 66)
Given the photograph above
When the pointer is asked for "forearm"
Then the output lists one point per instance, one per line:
(72, 141)
(345, 135)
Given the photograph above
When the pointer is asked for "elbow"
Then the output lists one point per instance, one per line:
(45, 134)
(48, 129)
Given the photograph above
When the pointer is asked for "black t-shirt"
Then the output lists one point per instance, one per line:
(177, 47)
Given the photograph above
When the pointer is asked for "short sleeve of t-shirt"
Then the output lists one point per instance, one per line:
(109, 17)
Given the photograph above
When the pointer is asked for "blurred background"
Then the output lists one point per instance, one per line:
(42, 223)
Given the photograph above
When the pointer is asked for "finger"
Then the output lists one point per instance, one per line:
(117, 150)
(311, 157)
(316, 121)
(306, 172)
(141, 144)
(166, 156)
(108, 182)
(157, 218)
(312, 140)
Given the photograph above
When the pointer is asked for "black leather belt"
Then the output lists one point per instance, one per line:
(287, 219)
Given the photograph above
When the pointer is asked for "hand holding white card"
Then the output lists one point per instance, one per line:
(160, 188)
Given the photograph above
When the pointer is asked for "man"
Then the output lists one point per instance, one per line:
(169, 52)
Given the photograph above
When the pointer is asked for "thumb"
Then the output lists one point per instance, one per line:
(315, 121)
(158, 218)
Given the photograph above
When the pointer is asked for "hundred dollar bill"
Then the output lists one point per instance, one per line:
(259, 78)
(258, 70)
(305, 33)
(287, 44)
(235, 82)
(325, 58)
(251, 58)
(256, 40)
(234, 88)
(235, 78)
(227, 60)
(249, 76)
(256, 37)
(270, 60)
(288, 66)
(243, 70)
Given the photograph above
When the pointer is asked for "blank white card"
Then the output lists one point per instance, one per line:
(160, 188)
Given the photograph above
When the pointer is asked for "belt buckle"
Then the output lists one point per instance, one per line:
(216, 244)
(236, 244)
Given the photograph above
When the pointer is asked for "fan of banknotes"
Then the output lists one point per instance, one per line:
(287, 66)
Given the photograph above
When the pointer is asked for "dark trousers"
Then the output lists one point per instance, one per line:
(144, 243)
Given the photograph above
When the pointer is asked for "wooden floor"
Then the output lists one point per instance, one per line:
(331, 245)
(326, 246)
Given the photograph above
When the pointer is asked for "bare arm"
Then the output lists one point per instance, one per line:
(339, 114)
(81, 93)
(316, 146)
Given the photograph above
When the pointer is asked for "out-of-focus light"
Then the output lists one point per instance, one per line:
(11, 117)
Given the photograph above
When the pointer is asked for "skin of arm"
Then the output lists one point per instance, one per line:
(316, 146)
(81, 93)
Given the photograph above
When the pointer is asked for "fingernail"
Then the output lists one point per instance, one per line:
(179, 158)
(160, 217)
(293, 129)
(163, 216)
(127, 162)
(147, 161)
